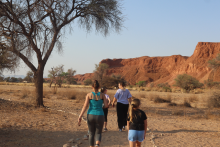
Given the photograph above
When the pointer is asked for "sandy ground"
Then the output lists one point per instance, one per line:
(23, 125)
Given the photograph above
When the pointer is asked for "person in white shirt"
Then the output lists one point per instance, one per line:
(123, 97)
(104, 90)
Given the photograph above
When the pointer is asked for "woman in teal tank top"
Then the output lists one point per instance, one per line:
(95, 114)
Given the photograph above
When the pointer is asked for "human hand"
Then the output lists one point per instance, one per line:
(79, 120)
(113, 105)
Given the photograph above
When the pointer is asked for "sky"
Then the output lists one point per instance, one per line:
(151, 28)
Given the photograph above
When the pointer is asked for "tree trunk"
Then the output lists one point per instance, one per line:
(38, 80)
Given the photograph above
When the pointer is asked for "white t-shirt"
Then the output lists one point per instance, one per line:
(106, 96)
(122, 96)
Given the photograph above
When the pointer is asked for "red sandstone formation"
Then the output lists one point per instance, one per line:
(164, 69)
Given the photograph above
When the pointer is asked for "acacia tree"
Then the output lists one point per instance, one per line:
(100, 71)
(7, 60)
(54, 72)
(34, 27)
(29, 76)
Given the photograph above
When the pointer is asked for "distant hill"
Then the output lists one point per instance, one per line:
(16, 76)
(164, 69)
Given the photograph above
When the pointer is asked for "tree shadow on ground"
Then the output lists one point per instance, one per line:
(36, 138)
(184, 130)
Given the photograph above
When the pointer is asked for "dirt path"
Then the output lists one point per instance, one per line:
(25, 126)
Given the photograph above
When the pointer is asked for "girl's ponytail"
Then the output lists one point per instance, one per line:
(135, 103)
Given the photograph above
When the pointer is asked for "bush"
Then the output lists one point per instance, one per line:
(161, 100)
(165, 87)
(210, 83)
(141, 83)
(112, 81)
(87, 82)
(187, 82)
(214, 100)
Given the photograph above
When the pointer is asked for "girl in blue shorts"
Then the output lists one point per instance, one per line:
(136, 123)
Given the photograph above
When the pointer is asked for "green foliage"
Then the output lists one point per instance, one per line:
(112, 81)
(100, 72)
(141, 83)
(165, 86)
(161, 85)
(187, 82)
(210, 83)
(87, 82)
(1, 79)
(214, 63)
(29, 76)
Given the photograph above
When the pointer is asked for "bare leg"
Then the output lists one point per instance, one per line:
(98, 142)
(138, 144)
(132, 144)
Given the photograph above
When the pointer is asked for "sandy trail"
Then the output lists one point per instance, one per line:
(21, 126)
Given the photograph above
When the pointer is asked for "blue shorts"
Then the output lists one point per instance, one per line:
(135, 135)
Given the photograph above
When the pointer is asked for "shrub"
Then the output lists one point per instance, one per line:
(151, 84)
(214, 100)
(210, 83)
(24, 93)
(87, 82)
(186, 103)
(161, 100)
(141, 83)
(193, 98)
(112, 81)
(187, 82)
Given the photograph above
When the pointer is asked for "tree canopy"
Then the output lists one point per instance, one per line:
(35, 27)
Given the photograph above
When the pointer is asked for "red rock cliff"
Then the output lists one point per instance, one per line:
(165, 69)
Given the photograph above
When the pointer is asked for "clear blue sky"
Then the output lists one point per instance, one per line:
(151, 28)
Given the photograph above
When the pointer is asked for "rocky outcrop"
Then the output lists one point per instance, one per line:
(165, 69)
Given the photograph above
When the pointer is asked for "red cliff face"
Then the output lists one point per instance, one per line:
(165, 69)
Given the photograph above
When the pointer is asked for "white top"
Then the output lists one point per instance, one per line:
(107, 97)
(122, 96)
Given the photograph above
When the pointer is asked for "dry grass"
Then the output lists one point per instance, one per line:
(214, 100)
(193, 98)
(24, 93)
(161, 100)
(186, 103)
(172, 104)
(152, 96)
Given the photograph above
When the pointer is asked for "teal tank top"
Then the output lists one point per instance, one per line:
(95, 105)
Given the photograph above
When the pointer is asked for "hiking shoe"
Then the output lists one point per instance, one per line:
(85, 137)
(105, 129)
(120, 130)
(123, 128)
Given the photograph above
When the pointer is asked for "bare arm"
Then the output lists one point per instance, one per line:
(129, 100)
(109, 101)
(86, 104)
(145, 126)
(105, 101)
(113, 102)
(128, 125)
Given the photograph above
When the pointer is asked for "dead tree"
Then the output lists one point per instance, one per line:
(34, 27)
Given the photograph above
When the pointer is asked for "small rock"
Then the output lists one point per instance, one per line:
(67, 145)
(77, 139)
(161, 134)
(71, 141)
